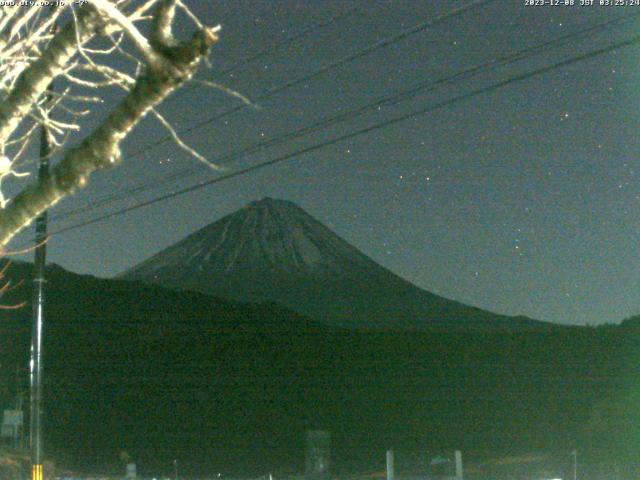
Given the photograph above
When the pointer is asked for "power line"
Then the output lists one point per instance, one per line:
(303, 33)
(326, 68)
(278, 45)
(389, 100)
(357, 133)
(367, 50)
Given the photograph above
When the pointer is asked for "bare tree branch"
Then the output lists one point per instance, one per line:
(33, 81)
(100, 149)
(137, 38)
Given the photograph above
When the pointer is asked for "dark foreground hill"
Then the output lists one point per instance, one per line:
(272, 250)
(231, 388)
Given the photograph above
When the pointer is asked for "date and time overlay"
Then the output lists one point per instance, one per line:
(582, 3)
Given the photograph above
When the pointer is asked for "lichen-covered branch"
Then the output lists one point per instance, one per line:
(33, 80)
(101, 148)
(32, 55)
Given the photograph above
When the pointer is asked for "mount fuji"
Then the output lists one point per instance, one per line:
(273, 251)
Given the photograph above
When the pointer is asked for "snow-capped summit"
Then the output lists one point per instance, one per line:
(272, 250)
(270, 234)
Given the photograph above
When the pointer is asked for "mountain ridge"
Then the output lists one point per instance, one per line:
(233, 388)
(273, 250)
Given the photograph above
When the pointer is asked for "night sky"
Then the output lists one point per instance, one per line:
(521, 200)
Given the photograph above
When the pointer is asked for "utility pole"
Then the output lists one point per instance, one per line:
(574, 453)
(18, 441)
(390, 465)
(458, 460)
(35, 364)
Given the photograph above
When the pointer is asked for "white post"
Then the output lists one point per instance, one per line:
(458, 456)
(390, 474)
